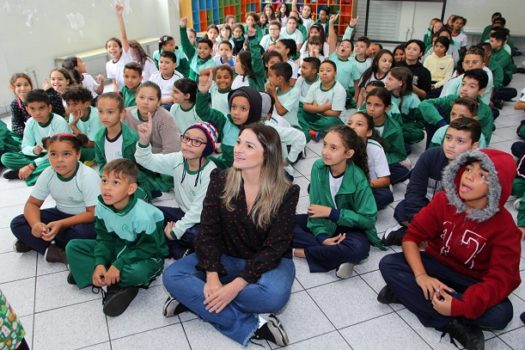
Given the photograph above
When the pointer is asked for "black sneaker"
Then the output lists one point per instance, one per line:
(172, 307)
(272, 331)
(11, 175)
(498, 103)
(394, 235)
(386, 296)
(118, 299)
(470, 336)
(21, 247)
(71, 279)
(55, 254)
(522, 316)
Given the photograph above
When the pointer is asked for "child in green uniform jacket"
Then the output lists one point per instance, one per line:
(200, 58)
(378, 103)
(130, 247)
(32, 160)
(245, 108)
(436, 112)
(340, 224)
(497, 40)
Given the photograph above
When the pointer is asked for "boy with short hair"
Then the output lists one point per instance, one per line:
(436, 112)
(497, 40)
(225, 54)
(130, 247)
(132, 80)
(286, 98)
(461, 282)
(274, 34)
(461, 136)
(309, 75)
(463, 107)
(165, 78)
(83, 118)
(29, 163)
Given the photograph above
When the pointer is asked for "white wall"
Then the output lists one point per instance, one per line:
(34, 32)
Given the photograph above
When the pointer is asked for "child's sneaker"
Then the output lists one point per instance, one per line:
(21, 247)
(522, 316)
(71, 279)
(172, 307)
(272, 331)
(394, 235)
(315, 135)
(55, 254)
(344, 270)
(470, 336)
(386, 296)
(11, 175)
(117, 300)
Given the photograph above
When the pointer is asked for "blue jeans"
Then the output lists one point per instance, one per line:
(399, 277)
(239, 319)
(179, 247)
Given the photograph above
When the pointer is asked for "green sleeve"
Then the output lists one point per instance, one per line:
(105, 244)
(497, 74)
(206, 113)
(319, 195)
(486, 120)
(100, 157)
(188, 48)
(521, 213)
(257, 63)
(434, 110)
(365, 213)
(145, 247)
(225, 159)
(396, 147)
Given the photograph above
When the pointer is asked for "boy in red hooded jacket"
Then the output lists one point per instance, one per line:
(461, 282)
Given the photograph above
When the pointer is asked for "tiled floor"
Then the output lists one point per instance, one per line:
(323, 312)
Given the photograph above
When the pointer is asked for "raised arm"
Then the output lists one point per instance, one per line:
(119, 10)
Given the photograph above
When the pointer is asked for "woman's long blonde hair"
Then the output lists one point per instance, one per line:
(274, 183)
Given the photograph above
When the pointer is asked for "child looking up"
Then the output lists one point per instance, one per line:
(379, 173)
(399, 83)
(183, 109)
(32, 160)
(286, 98)
(224, 54)
(323, 104)
(378, 102)
(83, 120)
(130, 247)
(118, 51)
(340, 224)
(190, 169)
(378, 70)
(463, 107)
(245, 108)
(269, 41)
(309, 75)
(200, 58)
(461, 282)
(249, 65)
(74, 187)
(440, 65)
(132, 79)
(165, 78)
(20, 84)
(462, 135)
(288, 49)
(165, 137)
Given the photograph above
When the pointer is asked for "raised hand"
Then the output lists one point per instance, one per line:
(333, 18)
(183, 22)
(145, 130)
(205, 80)
(353, 21)
(119, 8)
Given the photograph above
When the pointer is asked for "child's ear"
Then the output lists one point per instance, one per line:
(132, 188)
(122, 114)
(387, 109)
(481, 92)
(369, 133)
(349, 153)
(475, 145)
(187, 96)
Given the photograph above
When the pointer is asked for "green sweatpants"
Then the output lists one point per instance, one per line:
(17, 160)
(309, 121)
(413, 132)
(81, 257)
(9, 141)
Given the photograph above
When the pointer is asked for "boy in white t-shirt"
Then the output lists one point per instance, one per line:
(285, 96)
(165, 78)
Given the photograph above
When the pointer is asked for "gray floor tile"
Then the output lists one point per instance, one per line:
(304, 166)
(389, 329)
(332, 340)
(17, 266)
(302, 205)
(21, 295)
(27, 323)
(171, 337)
(314, 147)
(372, 262)
(385, 219)
(496, 344)
(101, 346)
(146, 306)
(14, 196)
(9, 213)
(44, 268)
(53, 291)
(308, 279)
(399, 191)
(6, 240)
(70, 327)
(348, 302)
(520, 291)
(515, 338)
(376, 282)
(518, 306)
(296, 286)
(299, 309)
(303, 184)
(203, 336)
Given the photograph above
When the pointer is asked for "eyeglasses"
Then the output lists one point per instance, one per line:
(193, 142)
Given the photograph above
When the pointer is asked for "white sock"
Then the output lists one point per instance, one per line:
(262, 321)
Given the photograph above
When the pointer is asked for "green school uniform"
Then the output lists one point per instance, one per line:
(9, 141)
(505, 60)
(497, 73)
(228, 131)
(436, 109)
(412, 121)
(129, 96)
(130, 239)
(196, 64)
(354, 200)
(392, 134)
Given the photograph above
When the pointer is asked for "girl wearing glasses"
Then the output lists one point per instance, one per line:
(191, 170)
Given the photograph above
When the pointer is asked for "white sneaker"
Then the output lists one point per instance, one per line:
(516, 203)
(345, 270)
